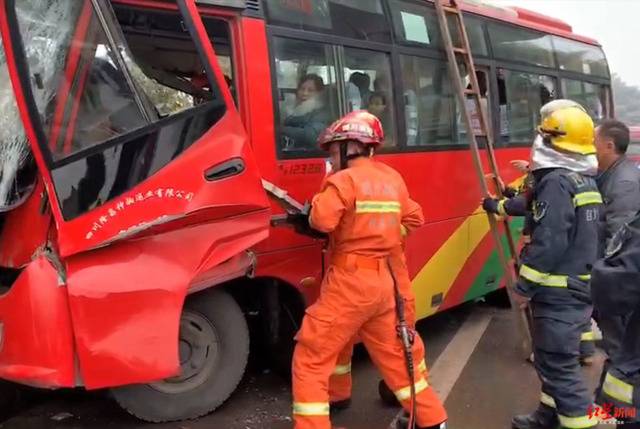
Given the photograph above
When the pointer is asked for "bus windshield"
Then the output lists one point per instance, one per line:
(17, 168)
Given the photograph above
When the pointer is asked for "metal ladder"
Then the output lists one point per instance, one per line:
(451, 8)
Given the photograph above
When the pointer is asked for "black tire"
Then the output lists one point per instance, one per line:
(10, 398)
(213, 322)
(282, 352)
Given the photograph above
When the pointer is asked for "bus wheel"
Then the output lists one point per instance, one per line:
(214, 348)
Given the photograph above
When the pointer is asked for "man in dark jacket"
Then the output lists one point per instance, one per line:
(619, 179)
(619, 392)
(619, 184)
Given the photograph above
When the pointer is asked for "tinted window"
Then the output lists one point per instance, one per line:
(368, 87)
(89, 182)
(580, 57)
(415, 23)
(475, 33)
(359, 19)
(307, 93)
(521, 97)
(518, 44)
(430, 108)
(592, 96)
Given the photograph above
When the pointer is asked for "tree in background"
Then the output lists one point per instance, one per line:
(627, 101)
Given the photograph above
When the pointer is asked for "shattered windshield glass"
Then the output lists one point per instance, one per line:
(17, 169)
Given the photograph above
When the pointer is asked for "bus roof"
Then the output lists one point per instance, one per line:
(525, 18)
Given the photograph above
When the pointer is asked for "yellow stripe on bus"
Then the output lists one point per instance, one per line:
(441, 271)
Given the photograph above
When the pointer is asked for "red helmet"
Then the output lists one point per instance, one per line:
(360, 126)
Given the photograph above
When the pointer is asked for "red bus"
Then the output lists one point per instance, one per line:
(136, 251)
(634, 147)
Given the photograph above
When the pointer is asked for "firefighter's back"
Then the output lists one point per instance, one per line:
(374, 198)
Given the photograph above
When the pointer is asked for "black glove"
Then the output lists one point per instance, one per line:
(510, 192)
(490, 205)
(300, 222)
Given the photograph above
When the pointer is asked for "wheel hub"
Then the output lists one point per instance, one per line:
(198, 350)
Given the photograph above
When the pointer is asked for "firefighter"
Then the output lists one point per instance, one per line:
(340, 382)
(361, 207)
(555, 266)
(518, 203)
(615, 290)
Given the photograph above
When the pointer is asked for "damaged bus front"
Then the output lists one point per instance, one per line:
(121, 157)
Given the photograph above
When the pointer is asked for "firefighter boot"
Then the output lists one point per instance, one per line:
(403, 423)
(340, 405)
(543, 418)
(387, 395)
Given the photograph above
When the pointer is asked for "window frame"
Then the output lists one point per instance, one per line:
(400, 42)
(521, 28)
(555, 50)
(334, 42)
(399, 47)
(538, 71)
(608, 104)
(39, 128)
(330, 32)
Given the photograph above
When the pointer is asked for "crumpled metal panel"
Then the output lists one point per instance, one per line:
(126, 299)
(37, 338)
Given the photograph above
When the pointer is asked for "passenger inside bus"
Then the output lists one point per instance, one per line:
(381, 85)
(362, 81)
(307, 117)
(378, 106)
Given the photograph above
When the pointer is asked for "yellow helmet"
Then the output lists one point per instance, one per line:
(569, 129)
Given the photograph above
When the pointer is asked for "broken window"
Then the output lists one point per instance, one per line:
(95, 80)
(17, 167)
(121, 92)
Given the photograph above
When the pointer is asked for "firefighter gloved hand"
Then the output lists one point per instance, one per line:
(300, 222)
(509, 192)
(491, 205)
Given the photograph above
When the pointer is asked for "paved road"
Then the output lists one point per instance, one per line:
(472, 349)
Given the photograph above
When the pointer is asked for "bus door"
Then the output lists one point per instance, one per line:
(151, 180)
(129, 117)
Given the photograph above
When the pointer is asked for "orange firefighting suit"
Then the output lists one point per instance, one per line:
(361, 208)
(340, 383)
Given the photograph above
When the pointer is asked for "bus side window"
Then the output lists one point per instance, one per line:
(307, 93)
(430, 108)
(593, 97)
(369, 87)
(472, 108)
(521, 96)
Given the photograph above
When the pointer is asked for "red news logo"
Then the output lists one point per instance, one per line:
(608, 411)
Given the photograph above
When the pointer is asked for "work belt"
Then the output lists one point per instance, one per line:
(351, 261)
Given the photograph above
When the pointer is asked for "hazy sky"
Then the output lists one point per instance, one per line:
(614, 23)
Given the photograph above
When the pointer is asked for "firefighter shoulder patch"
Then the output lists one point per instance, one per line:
(539, 209)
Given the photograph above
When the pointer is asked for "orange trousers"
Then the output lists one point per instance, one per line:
(341, 382)
(354, 300)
